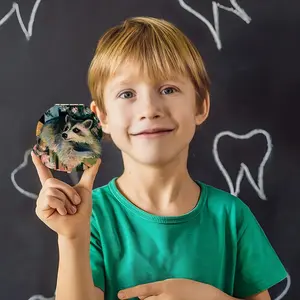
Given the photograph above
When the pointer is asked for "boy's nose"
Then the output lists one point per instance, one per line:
(151, 113)
(151, 107)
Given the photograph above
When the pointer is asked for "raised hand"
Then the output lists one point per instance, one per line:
(63, 208)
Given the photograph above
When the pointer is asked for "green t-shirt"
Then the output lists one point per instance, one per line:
(219, 242)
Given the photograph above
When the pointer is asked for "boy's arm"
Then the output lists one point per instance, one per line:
(74, 280)
(100, 295)
(261, 296)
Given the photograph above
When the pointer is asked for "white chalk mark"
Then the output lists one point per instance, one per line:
(16, 9)
(215, 30)
(16, 170)
(40, 297)
(285, 291)
(73, 175)
(259, 188)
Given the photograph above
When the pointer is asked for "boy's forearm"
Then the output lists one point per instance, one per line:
(74, 279)
(223, 296)
(260, 296)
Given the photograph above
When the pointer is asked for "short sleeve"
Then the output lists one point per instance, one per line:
(96, 255)
(258, 267)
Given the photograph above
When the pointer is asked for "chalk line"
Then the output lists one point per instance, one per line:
(287, 287)
(73, 176)
(215, 29)
(40, 297)
(259, 187)
(16, 170)
(16, 9)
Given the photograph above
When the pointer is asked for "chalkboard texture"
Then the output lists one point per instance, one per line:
(249, 146)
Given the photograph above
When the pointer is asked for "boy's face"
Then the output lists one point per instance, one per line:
(135, 107)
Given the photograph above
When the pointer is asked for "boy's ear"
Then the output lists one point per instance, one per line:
(101, 116)
(203, 111)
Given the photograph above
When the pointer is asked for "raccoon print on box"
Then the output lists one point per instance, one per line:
(68, 138)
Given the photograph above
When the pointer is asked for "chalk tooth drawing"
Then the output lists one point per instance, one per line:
(40, 297)
(30, 195)
(215, 29)
(74, 176)
(16, 9)
(244, 170)
(16, 170)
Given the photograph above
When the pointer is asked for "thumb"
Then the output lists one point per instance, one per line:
(88, 176)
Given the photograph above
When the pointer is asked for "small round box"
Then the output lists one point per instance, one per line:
(68, 138)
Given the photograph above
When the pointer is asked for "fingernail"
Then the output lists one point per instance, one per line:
(73, 209)
(77, 199)
(120, 295)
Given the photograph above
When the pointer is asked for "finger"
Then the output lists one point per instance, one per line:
(43, 172)
(53, 203)
(69, 191)
(52, 192)
(89, 175)
(143, 290)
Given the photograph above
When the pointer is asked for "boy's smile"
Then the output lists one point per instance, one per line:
(152, 133)
(151, 121)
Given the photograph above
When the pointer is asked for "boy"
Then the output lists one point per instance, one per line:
(153, 232)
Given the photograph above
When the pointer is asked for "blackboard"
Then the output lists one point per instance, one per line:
(249, 146)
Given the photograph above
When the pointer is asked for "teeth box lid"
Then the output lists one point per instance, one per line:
(68, 138)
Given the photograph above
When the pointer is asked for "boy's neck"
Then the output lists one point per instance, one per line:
(167, 190)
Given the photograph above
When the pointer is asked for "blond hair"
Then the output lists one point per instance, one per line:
(158, 46)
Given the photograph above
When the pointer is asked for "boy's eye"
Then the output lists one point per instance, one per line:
(168, 90)
(126, 95)
(76, 130)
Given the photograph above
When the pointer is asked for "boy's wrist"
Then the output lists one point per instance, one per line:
(80, 239)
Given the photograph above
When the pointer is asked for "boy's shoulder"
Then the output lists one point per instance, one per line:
(104, 201)
(100, 191)
(101, 194)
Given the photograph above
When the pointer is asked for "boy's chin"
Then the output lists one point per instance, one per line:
(154, 160)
